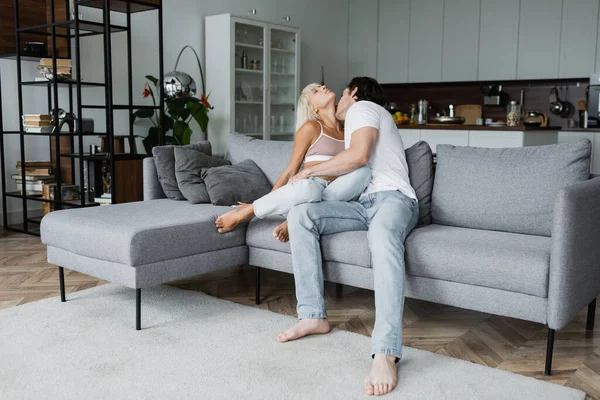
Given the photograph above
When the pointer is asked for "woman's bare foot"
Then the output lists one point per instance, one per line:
(305, 327)
(383, 377)
(228, 221)
(281, 233)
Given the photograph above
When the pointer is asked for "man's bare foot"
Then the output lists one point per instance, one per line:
(228, 221)
(305, 327)
(281, 232)
(383, 377)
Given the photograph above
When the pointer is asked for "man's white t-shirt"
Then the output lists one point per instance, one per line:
(389, 170)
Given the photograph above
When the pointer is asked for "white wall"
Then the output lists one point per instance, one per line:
(324, 33)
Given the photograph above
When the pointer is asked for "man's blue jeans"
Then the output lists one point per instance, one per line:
(388, 217)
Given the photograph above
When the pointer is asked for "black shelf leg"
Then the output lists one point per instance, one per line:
(549, 348)
(257, 285)
(138, 309)
(61, 278)
(591, 316)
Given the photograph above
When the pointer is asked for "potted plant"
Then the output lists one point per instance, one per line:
(178, 114)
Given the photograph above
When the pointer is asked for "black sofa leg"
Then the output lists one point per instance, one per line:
(338, 290)
(61, 278)
(591, 316)
(549, 348)
(138, 309)
(257, 285)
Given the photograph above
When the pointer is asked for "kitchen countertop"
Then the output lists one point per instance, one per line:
(480, 127)
(582, 129)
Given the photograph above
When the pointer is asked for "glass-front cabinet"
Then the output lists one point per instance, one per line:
(253, 77)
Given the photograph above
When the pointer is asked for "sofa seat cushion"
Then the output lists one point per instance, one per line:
(508, 261)
(345, 247)
(141, 232)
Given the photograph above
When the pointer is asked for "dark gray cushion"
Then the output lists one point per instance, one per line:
(188, 171)
(164, 159)
(230, 184)
(270, 155)
(511, 190)
(419, 158)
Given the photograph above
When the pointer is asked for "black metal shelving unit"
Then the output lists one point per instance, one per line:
(77, 29)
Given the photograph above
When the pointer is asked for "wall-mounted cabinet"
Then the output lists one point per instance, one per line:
(469, 40)
(498, 40)
(460, 40)
(393, 41)
(425, 40)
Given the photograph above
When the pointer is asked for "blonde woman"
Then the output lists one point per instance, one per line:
(319, 137)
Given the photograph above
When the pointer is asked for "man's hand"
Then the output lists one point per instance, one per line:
(300, 175)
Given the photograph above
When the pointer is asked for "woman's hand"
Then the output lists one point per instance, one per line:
(242, 205)
(299, 176)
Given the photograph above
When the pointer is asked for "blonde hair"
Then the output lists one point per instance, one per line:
(304, 110)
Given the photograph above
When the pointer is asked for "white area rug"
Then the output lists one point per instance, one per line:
(196, 346)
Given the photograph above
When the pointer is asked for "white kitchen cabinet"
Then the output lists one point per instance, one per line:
(495, 139)
(539, 39)
(409, 136)
(435, 137)
(564, 137)
(578, 38)
(393, 35)
(425, 49)
(498, 39)
(362, 39)
(460, 40)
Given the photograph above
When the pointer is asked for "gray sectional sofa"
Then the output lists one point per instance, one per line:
(512, 232)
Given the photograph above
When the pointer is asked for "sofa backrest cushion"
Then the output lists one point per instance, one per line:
(510, 190)
(419, 158)
(164, 160)
(271, 156)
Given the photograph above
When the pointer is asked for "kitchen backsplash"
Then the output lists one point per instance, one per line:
(537, 94)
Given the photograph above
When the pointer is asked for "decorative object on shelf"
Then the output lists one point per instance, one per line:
(179, 84)
(65, 118)
(34, 49)
(106, 177)
(63, 69)
(178, 114)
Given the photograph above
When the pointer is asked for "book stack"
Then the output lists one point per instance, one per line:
(38, 123)
(63, 69)
(37, 174)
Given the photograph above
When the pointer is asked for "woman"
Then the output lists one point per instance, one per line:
(319, 137)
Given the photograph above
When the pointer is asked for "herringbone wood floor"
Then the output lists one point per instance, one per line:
(499, 342)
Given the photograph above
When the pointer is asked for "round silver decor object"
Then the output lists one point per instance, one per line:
(178, 84)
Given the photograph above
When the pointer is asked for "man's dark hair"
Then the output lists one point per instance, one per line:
(368, 89)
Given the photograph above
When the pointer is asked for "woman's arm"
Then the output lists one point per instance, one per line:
(305, 136)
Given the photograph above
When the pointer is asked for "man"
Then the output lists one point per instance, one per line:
(387, 210)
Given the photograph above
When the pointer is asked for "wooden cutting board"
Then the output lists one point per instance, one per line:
(469, 111)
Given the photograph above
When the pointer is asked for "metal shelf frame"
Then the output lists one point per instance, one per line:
(74, 30)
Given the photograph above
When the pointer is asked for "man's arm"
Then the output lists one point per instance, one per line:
(362, 143)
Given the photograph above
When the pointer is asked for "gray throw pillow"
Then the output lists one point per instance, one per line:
(510, 190)
(230, 184)
(188, 171)
(419, 158)
(164, 159)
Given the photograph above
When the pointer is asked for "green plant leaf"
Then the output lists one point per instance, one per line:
(168, 123)
(171, 140)
(152, 139)
(183, 132)
(200, 114)
(143, 113)
(152, 79)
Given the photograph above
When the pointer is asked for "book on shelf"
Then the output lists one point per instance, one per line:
(33, 178)
(103, 200)
(39, 129)
(60, 62)
(37, 117)
(34, 189)
(35, 164)
(37, 123)
(42, 172)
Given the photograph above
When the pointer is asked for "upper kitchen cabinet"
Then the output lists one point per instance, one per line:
(362, 39)
(392, 55)
(578, 38)
(498, 39)
(460, 40)
(539, 39)
(425, 49)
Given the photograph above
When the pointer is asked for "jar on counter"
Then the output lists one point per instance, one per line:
(413, 115)
(513, 114)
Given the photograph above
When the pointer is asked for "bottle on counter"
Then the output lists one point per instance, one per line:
(414, 119)
(513, 114)
(422, 117)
